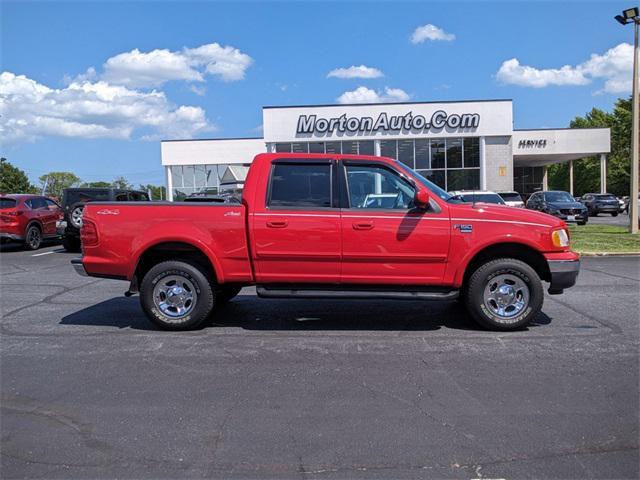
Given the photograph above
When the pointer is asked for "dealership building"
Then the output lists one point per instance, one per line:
(459, 145)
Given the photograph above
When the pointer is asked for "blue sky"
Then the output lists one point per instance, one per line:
(151, 80)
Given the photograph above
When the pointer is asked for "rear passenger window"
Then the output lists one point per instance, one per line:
(305, 185)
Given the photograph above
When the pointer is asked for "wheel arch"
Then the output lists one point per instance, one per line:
(519, 251)
(173, 250)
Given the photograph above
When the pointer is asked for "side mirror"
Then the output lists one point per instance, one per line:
(421, 200)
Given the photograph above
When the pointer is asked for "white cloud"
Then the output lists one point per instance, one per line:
(30, 110)
(368, 95)
(430, 32)
(361, 71)
(154, 68)
(614, 67)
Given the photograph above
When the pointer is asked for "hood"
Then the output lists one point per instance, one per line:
(489, 211)
(561, 205)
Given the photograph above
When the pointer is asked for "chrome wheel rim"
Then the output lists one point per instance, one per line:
(506, 295)
(33, 237)
(175, 296)
(76, 216)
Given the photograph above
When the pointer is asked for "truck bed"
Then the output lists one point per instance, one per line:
(127, 229)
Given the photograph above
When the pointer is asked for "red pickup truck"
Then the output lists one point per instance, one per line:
(329, 226)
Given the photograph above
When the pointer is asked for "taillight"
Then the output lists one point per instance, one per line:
(13, 213)
(88, 234)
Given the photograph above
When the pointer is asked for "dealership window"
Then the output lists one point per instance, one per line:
(283, 147)
(332, 147)
(316, 147)
(422, 153)
(472, 152)
(389, 148)
(300, 147)
(351, 147)
(305, 185)
(438, 153)
(454, 153)
(405, 152)
(188, 179)
(527, 180)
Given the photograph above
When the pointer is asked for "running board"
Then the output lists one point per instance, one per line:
(347, 291)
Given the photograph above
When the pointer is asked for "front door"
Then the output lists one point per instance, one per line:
(296, 230)
(385, 240)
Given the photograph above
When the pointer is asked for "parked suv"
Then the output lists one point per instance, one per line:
(512, 199)
(601, 203)
(478, 196)
(74, 200)
(29, 219)
(559, 204)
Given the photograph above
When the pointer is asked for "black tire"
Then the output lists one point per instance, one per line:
(71, 244)
(614, 214)
(75, 215)
(226, 293)
(193, 279)
(33, 237)
(582, 223)
(507, 268)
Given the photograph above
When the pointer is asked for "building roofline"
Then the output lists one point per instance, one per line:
(209, 139)
(560, 128)
(385, 103)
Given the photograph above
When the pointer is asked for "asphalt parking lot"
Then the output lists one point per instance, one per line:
(314, 389)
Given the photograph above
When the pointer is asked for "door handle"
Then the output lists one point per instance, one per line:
(362, 225)
(277, 223)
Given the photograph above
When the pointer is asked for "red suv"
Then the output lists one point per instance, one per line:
(29, 219)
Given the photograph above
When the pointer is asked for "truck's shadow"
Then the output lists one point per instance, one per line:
(251, 313)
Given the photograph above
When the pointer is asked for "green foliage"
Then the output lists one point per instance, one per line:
(14, 180)
(99, 184)
(121, 182)
(157, 193)
(57, 181)
(587, 171)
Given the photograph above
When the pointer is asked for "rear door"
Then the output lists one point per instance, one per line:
(296, 228)
(385, 240)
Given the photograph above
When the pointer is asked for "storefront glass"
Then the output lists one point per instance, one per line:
(188, 179)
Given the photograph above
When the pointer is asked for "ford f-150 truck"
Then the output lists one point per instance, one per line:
(329, 226)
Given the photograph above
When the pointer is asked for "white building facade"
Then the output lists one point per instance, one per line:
(460, 145)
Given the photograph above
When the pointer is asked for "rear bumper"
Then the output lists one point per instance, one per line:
(606, 208)
(564, 274)
(79, 267)
(11, 236)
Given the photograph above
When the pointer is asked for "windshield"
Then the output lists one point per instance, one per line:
(511, 197)
(606, 197)
(7, 203)
(558, 197)
(427, 183)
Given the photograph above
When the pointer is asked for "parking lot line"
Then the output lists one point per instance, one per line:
(45, 253)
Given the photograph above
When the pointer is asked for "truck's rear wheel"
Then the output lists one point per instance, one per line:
(176, 295)
(504, 294)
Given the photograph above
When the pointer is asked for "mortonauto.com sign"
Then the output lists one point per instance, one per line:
(312, 124)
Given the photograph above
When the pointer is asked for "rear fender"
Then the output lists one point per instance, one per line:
(188, 234)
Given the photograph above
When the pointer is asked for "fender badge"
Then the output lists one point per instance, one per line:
(232, 214)
(464, 228)
(106, 211)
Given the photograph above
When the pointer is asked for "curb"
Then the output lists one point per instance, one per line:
(609, 254)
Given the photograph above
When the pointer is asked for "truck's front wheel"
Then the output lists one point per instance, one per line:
(504, 294)
(176, 295)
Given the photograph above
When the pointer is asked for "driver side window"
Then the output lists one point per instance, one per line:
(373, 187)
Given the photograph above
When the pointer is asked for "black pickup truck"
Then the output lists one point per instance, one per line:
(74, 200)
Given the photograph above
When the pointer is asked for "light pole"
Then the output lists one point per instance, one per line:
(631, 15)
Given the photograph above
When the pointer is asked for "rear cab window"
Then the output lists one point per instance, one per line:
(300, 185)
(7, 203)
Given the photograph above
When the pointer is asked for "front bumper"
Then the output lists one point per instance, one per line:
(79, 267)
(606, 208)
(563, 274)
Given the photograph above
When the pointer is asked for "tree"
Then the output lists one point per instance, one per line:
(99, 184)
(57, 181)
(14, 180)
(122, 183)
(587, 170)
(157, 192)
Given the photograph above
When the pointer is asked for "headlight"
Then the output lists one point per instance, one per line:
(560, 238)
